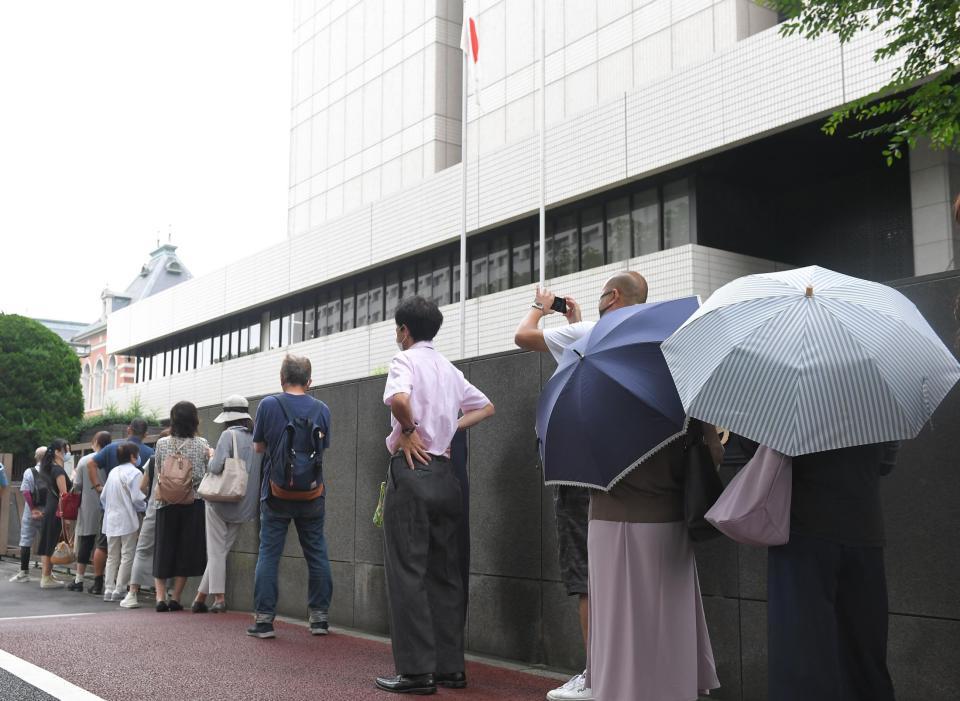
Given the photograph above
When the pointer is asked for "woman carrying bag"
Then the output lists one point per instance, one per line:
(53, 482)
(230, 502)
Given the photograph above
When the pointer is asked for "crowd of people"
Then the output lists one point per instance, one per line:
(625, 554)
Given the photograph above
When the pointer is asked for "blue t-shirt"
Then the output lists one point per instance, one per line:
(106, 458)
(270, 423)
(4, 481)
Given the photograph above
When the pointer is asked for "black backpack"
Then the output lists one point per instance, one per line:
(40, 488)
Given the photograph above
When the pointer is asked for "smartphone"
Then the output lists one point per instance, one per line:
(559, 305)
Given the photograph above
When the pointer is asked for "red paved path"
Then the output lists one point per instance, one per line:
(140, 654)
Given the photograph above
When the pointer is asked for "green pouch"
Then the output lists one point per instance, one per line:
(378, 512)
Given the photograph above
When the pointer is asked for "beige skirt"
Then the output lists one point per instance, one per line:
(648, 634)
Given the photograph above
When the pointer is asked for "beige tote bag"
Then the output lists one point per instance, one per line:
(231, 484)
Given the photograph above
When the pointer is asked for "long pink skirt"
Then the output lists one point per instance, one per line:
(648, 634)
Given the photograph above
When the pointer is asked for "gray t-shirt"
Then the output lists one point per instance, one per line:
(245, 509)
(88, 520)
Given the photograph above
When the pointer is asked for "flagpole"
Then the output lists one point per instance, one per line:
(543, 131)
(463, 212)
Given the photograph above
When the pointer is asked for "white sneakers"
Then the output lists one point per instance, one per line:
(130, 601)
(21, 576)
(51, 582)
(574, 690)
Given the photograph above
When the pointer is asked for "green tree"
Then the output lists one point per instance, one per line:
(40, 394)
(922, 97)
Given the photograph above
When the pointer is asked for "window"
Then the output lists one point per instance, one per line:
(254, 337)
(274, 331)
(425, 279)
(646, 222)
(375, 301)
(591, 238)
(478, 268)
(203, 354)
(392, 293)
(347, 307)
(330, 316)
(296, 327)
(310, 322)
(521, 247)
(243, 345)
(455, 276)
(362, 304)
(111, 373)
(676, 214)
(562, 237)
(498, 265)
(618, 230)
(441, 279)
(408, 281)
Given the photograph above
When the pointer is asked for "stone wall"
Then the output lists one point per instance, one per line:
(518, 609)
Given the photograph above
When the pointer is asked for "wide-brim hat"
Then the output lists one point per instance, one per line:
(234, 407)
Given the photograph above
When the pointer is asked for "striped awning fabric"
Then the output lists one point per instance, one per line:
(809, 360)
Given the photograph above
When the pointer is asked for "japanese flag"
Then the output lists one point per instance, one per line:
(470, 45)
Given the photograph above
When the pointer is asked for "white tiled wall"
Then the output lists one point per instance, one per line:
(934, 183)
(491, 322)
(372, 108)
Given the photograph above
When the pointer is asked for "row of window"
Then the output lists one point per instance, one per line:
(621, 226)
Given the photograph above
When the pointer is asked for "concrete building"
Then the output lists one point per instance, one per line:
(682, 141)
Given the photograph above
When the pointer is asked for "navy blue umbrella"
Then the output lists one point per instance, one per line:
(612, 402)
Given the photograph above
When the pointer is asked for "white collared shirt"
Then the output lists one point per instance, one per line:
(122, 500)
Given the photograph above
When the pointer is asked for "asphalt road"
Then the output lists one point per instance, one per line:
(120, 655)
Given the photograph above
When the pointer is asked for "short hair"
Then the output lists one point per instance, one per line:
(295, 370)
(246, 423)
(126, 452)
(632, 286)
(421, 316)
(138, 427)
(102, 439)
(184, 420)
(39, 453)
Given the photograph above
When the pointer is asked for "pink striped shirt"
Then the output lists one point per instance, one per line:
(438, 393)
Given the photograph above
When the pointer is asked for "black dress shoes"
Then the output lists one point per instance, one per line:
(454, 680)
(408, 684)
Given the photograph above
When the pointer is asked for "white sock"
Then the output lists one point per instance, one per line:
(78, 579)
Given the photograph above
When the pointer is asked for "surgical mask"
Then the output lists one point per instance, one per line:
(68, 461)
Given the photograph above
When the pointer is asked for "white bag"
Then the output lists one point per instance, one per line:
(231, 484)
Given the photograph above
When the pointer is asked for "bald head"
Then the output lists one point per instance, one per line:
(622, 290)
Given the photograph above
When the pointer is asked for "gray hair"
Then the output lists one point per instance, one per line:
(39, 453)
(296, 371)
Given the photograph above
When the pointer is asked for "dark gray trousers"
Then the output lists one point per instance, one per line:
(421, 521)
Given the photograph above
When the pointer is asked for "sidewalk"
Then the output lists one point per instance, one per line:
(122, 654)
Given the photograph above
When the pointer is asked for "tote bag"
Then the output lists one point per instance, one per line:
(754, 509)
(231, 484)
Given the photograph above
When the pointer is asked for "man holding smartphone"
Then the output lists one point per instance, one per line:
(572, 504)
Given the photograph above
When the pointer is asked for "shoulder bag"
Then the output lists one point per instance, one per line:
(231, 484)
(701, 484)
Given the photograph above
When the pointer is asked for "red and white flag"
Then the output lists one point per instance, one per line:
(470, 45)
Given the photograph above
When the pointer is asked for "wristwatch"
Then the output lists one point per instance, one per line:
(537, 305)
(408, 431)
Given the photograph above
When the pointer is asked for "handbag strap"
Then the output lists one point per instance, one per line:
(236, 450)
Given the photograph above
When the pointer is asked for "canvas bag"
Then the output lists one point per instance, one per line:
(231, 484)
(754, 509)
(175, 481)
(63, 554)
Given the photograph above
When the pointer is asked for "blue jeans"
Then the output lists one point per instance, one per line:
(273, 533)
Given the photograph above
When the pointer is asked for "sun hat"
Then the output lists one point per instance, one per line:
(234, 407)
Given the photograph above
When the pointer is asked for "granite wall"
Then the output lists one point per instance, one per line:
(518, 609)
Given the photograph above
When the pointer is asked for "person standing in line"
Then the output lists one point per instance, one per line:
(572, 504)
(98, 469)
(423, 507)
(52, 482)
(224, 519)
(142, 572)
(180, 550)
(284, 499)
(827, 587)
(32, 516)
(90, 516)
(122, 502)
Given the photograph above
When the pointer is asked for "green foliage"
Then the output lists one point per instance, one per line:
(40, 394)
(922, 97)
(112, 414)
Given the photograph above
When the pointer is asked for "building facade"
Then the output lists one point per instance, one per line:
(101, 371)
(682, 140)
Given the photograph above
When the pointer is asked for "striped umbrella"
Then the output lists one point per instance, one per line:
(809, 360)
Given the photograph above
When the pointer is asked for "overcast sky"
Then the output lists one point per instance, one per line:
(119, 119)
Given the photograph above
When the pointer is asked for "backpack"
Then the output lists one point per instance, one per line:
(296, 460)
(38, 495)
(175, 481)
